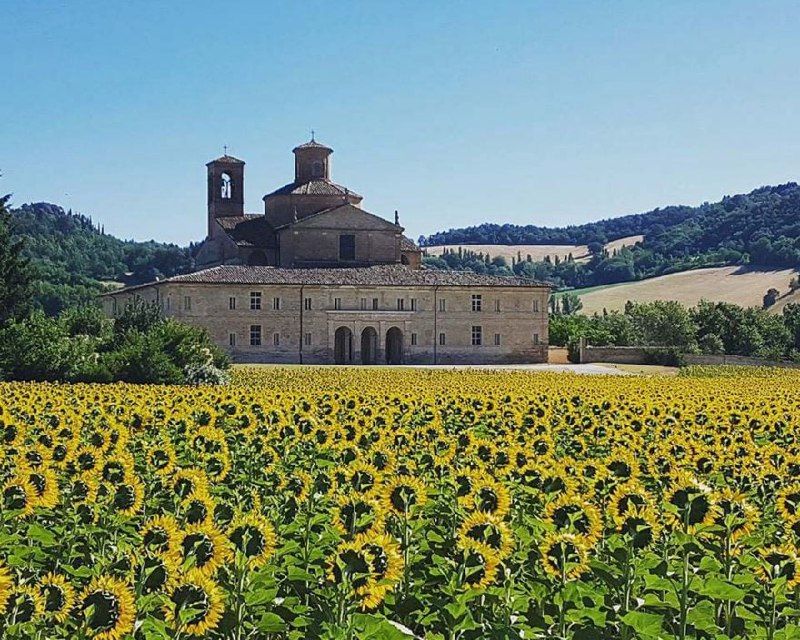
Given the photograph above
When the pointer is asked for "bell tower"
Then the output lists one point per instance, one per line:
(312, 161)
(225, 188)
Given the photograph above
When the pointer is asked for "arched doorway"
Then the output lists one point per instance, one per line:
(394, 346)
(369, 346)
(343, 346)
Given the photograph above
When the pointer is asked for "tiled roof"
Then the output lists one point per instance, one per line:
(312, 144)
(249, 230)
(226, 159)
(316, 187)
(407, 244)
(385, 275)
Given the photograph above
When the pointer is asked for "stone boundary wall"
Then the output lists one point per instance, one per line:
(638, 355)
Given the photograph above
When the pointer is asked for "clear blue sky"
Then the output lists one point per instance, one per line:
(455, 113)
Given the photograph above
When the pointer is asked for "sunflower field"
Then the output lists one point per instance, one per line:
(336, 503)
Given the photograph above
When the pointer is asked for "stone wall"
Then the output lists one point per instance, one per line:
(436, 324)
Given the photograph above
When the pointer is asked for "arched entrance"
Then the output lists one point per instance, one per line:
(369, 346)
(394, 346)
(343, 346)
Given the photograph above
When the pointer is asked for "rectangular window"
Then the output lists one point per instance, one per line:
(255, 300)
(536, 306)
(477, 336)
(114, 305)
(276, 304)
(441, 339)
(255, 335)
(374, 304)
(497, 305)
(442, 305)
(413, 304)
(363, 305)
(535, 338)
(307, 339)
(232, 339)
(496, 339)
(337, 303)
(347, 247)
(168, 303)
(477, 302)
(232, 303)
(307, 304)
(187, 303)
(276, 339)
(400, 304)
(413, 339)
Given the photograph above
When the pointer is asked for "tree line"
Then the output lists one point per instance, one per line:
(709, 327)
(761, 228)
(81, 344)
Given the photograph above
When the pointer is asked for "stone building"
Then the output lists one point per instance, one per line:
(316, 280)
(310, 222)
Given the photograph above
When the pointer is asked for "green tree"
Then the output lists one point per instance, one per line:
(662, 323)
(15, 272)
(570, 304)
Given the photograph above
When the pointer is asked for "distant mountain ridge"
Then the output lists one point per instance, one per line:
(759, 228)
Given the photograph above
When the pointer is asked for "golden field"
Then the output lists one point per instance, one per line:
(384, 503)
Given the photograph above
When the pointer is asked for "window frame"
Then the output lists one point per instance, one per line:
(477, 302)
(256, 335)
(477, 335)
(255, 301)
(347, 245)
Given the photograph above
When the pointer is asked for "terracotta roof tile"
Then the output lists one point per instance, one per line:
(407, 244)
(386, 275)
(249, 230)
(226, 159)
(317, 187)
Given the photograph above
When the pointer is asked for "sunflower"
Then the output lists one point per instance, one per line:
(45, 482)
(155, 570)
(734, 513)
(355, 514)
(788, 501)
(203, 547)
(490, 496)
(254, 537)
(387, 558)
(297, 485)
(58, 597)
(82, 488)
(778, 562)
(489, 530)
(352, 565)
(195, 604)
(627, 494)
(565, 556)
(188, 481)
(19, 495)
(108, 609)
(689, 504)
(198, 508)
(6, 585)
(360, 477)
(402, 494)
(571, 513)
(161, 458)
(126, 498)
(477, 564)
(639, 524)
(25, 604)
(160, 535)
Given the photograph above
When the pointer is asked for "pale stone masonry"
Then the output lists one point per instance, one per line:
(374, 315)
(317, 280)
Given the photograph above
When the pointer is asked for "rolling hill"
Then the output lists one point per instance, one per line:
(739, 285)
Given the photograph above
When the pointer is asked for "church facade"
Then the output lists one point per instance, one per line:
(316, 279)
